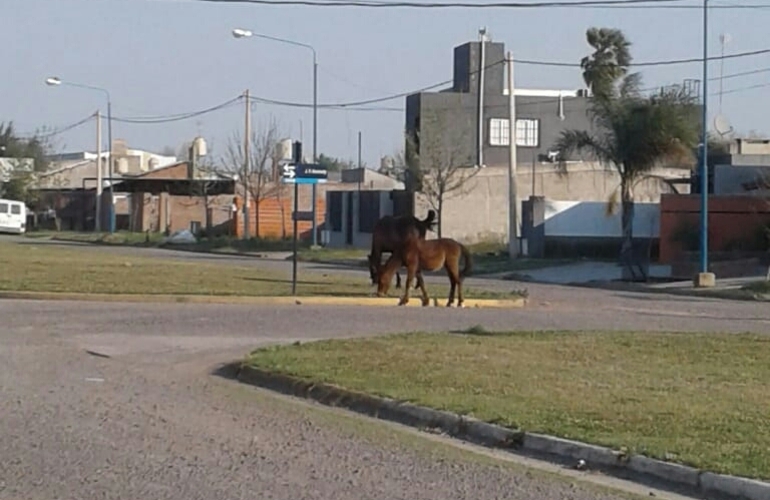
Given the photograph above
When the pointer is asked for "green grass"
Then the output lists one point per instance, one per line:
(697, 399)
(760, 287)
(47, 267)
(218, 244)
(487, 259)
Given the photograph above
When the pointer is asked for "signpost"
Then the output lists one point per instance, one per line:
(300, 173)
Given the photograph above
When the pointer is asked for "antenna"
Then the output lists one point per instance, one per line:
(724, 39)
(722, 125)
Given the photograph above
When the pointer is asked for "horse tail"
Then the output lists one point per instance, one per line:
(468, 261)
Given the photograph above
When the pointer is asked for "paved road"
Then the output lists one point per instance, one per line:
(151, 421)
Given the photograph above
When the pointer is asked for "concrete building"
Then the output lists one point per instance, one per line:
(451, 116)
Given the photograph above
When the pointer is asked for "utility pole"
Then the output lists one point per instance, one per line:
(110, 167)
(315, 142)
(247, 168)
(98, 218)
(480, 113)
(360, 171)
(513, 226)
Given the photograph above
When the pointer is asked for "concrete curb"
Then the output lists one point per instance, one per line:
(706, 293)
(256, 300)
(638, 468)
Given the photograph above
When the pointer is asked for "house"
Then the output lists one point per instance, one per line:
(541, 115)
(447, 125)
(173, 198)
(739, 214)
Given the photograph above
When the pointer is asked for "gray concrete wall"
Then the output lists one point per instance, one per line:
(481, 212)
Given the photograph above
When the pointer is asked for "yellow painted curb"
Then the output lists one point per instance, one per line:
(257, 300)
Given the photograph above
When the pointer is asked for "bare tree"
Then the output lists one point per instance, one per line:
(257, 176)
(442, 161)
(205, 176)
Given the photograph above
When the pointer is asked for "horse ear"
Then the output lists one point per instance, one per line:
(431, 216)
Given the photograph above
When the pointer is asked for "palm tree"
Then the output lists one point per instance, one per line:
(632, 134)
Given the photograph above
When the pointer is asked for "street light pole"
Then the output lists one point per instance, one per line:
(56, 81)
(704, 184)
(242, 33)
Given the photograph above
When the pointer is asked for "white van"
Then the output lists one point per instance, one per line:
(13, 216)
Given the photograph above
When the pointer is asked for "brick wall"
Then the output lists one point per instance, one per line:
(157, 212)
(734, 223)
(274, 216)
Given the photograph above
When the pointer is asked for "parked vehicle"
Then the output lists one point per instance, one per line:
(13, 216)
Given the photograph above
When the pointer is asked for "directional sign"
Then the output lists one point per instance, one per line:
(289, 172)
(311, 171)
(304, 173)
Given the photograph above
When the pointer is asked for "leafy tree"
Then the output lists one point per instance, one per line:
(333, 164)
(632, 133)
(16, 172)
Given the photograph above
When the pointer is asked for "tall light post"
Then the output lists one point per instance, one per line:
(242, 33)
(704, 277)
(55, 81)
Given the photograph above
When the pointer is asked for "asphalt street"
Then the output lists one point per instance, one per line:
(109, 400)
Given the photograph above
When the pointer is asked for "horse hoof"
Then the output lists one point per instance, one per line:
(425, 303)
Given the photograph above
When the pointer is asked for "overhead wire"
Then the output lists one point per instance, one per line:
(441, 5)
(364, 105)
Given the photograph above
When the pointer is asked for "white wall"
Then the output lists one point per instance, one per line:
(589, 219)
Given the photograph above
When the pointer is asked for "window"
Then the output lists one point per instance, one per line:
(16, 209)
(369, 210)
(3, 208)
(499, 132)
(527, 132)
(335, 211)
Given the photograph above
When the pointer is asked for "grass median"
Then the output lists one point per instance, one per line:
(488, 258)
(697, 399)
(49, 267)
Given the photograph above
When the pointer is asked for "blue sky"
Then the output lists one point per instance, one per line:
(160, 57)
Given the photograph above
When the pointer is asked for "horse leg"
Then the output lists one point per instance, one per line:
(410, 272)
(421, 284)
(453, 271)
(398, 279)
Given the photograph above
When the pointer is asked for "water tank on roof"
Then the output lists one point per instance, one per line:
(122, 165)
(199, 146)
(283, 150)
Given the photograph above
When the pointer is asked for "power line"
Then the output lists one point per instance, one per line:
(178, 116)
(442, 5)
(589, 4)
(59, 130)
(362, 105)
(668, 62)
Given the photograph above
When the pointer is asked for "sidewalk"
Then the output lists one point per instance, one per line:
(608, 275)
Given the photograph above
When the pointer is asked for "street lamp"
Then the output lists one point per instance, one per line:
(704, 278)
(55, 81)
(243, 33)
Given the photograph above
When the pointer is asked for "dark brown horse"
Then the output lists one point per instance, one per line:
(429, 255)
(390, 233)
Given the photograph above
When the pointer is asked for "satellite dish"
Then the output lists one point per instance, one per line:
(722, 125)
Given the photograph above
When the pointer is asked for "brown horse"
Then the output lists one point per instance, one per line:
(390, 233)
(429, 255)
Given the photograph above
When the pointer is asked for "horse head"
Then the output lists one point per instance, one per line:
(428, 223)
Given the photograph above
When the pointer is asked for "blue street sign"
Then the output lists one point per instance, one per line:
(302, 181)
(311, 171)
(304, 173)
